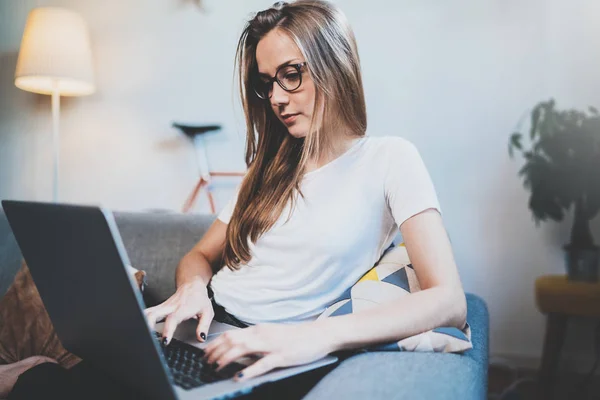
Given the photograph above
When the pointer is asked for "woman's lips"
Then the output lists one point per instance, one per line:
(290, 118)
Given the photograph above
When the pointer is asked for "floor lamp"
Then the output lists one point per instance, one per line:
(55, 59)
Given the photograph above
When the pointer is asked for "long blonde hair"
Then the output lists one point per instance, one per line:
(275, 159)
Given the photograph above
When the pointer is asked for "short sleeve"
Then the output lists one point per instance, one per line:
(407, 184)
(227, 211)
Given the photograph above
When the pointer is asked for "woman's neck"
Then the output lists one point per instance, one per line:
(340, 147)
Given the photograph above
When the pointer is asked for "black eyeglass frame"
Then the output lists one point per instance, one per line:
(269, 83)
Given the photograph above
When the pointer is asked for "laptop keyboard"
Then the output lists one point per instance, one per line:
(187, 367)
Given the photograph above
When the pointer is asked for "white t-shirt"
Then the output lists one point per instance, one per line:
(351, 213)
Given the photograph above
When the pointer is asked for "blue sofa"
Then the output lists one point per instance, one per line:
(155, 242)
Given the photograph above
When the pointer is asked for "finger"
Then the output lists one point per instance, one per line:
(150, 318)
(155, 313)
(170, 325)
(260, 367)
(203, 324)
(231, 355)
(214, 344)
(217, 352)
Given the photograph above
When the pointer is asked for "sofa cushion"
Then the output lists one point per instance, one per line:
(391, 278)
(156, 242)
(25, 326)
(27, 336)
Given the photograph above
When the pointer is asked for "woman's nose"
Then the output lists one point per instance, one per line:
(279, 96)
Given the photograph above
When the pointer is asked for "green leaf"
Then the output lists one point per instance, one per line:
(535, 117)
(515, 142)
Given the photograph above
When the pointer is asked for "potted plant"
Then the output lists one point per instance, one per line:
(562, 171)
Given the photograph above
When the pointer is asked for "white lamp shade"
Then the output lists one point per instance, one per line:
(55, 54)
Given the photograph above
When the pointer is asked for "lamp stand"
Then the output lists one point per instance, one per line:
(55, 138)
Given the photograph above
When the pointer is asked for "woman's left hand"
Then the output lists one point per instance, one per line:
(281, 345)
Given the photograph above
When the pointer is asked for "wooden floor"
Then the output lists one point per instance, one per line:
(567, 385)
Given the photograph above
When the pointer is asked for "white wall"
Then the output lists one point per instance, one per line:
(453, 77)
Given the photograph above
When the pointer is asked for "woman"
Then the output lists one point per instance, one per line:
(320, 203)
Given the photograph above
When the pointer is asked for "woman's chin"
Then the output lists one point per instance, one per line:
(297, 133)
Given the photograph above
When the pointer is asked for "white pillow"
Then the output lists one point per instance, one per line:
(391, 278)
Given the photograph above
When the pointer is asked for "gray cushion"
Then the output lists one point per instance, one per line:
(413, 375)
(156, 242)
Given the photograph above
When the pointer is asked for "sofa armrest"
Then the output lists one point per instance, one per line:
(156, 242)
(415, 375)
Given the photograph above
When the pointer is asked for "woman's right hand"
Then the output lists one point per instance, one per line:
(189, 301)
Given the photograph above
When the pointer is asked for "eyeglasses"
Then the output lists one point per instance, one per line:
(289, 77)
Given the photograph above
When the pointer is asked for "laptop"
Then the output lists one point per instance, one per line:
(78, 263)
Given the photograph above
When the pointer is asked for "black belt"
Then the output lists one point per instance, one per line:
(221, 315)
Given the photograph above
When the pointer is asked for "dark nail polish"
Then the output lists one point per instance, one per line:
(203, 336)
(215, 365)
(240, 374)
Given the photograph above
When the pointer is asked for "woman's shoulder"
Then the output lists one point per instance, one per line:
(393, 145)
(393, 153)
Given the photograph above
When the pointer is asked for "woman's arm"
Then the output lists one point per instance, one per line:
(441, 302)
(192, 276)
(205, 257)
(194, 265)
